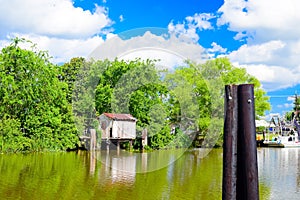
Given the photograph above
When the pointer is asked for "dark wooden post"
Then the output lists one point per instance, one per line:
(247, 173)
(240, 172)
(230, 143)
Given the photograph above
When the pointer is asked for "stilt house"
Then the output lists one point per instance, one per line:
(117, 126)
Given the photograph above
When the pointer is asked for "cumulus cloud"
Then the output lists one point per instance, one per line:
(217, 48)
(271, 38)
(121, 18)
(271, 31)
(61, 50)
(285, 105)
(272, 77)
(263, 20)
(260, 53)
(56, 26)
(57, 18)
(167, 59)
(275, 63)
(172, 51)
(291, 98)
(215, 51)
(189, 27)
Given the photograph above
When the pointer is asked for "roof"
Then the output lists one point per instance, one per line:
(263, 123)
(121, 117)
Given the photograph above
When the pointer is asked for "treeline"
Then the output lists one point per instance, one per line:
(34, 112)
(46, 107)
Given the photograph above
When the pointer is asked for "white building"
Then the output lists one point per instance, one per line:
(117, 126)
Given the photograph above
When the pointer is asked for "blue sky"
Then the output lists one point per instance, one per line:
(264, 41)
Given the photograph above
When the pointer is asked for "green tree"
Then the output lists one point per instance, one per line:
(207, 82)
(33, 99)
(189, 98)
(296, 103)
(135, 87)
(70, 72)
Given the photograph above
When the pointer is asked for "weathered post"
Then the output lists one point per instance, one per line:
(107, 145)
(93, 139)
(247, 172)
(230, 143)
(118, 146)
(240, 172)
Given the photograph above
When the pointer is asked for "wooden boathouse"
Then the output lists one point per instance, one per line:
(117, 128)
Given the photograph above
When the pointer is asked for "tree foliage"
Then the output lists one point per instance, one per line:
(40, 103)
(34, 111)
(208, 81)
(135, 87)
(191, 94)
(295, 113)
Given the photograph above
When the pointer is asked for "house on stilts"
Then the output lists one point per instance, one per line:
(117, 128)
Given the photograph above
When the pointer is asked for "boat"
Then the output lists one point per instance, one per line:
(282, 134)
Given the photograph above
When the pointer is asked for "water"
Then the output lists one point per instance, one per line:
(157, 175)
(279, 170)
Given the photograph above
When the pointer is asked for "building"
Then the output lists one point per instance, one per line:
(117, 126)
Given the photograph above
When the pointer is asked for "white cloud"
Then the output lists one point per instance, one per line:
(240, 36)
(272, 77)
(285, 105)
(166, 59)
(291, 98)
(121, 18)
(271, 30)
(171, 50)
(262, 19)
(188, 29)
(274, 63)
(61, 50)
(262, 53)
(217, 48)
(55, 26)
(200, 21)
(57, 18)
(179, 30)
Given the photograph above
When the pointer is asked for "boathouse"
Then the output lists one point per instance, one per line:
(117, 126)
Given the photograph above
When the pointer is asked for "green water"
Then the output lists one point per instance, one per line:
(103, 175)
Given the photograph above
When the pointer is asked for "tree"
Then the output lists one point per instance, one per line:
(234, 75)
(135, 87)
(296, 107)
(34, 111)
(70, 71)
(189, 98)
(207, 82)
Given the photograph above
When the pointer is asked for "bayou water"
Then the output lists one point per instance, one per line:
(166, 174)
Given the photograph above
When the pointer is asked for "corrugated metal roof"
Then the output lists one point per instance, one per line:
(123, 117)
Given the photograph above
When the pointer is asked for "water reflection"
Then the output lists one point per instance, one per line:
(279, 169)
(133, 163)
(184, 175)
(109, 175)
(116, 167)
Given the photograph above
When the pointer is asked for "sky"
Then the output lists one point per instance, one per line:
(262, 36)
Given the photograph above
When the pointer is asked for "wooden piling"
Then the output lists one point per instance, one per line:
(93, 139)
(230, 143)
(247, 173)
(240, 171)
(118, 146)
